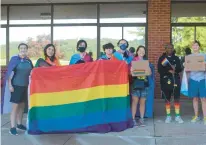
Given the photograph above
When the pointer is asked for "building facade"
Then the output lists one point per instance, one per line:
(152, 23)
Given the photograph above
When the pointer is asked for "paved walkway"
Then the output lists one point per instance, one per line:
(155, 133)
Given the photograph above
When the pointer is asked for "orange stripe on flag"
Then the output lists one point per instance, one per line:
(75, 77)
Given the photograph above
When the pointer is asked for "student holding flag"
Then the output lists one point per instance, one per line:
(108, 50)
(123, 53)
(50, 58)
(169, 68)
(82, 56)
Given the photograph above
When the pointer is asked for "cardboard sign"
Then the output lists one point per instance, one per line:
(140, 68)
(194, 63)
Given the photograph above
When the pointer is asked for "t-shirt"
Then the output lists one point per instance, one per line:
(200, 75)
(21, 73)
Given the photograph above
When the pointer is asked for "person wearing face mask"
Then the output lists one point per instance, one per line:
(50, 57)
(197, 85)
(108, 50)
(123, 53)
(82, 56)
(140, 89)
(169, 67)
(16, 88)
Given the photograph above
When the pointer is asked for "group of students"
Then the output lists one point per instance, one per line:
(21, 66)
(169, 68)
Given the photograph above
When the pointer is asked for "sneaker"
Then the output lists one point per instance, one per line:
(168, 119)
(22, 127)
(204, 120)
(135, 122)
(13, 131)
(141, 122)
(195, 119)
(179, 119)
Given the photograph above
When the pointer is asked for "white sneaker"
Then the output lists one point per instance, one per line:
(204, 120)
(168, 119)
(179, 119)
(195, 119)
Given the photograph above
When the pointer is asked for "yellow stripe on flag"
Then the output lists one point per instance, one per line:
(76, 96)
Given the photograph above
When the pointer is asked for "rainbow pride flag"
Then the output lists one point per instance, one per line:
(165, 62)
(90, 97)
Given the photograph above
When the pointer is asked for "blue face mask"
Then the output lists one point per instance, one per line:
(123, 46)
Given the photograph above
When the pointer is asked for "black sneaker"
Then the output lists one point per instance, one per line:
(22, 127)
(13, 131)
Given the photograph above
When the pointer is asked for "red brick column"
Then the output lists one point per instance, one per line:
(158, 32)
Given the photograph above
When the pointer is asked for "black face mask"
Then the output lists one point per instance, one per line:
(81, 49)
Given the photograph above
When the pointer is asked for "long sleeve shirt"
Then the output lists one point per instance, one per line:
(164, 69)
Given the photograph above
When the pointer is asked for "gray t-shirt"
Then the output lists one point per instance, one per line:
(200, 75)
(21, 73)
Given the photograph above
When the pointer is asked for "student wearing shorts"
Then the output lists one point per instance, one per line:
(197, 85)
(18, 82)
(140, 87)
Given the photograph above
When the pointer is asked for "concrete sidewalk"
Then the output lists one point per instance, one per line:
(155, 133)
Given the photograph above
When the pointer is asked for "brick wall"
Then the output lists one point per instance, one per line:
(158, 32)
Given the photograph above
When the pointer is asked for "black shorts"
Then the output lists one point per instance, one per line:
(20, 94)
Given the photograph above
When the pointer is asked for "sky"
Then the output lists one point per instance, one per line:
(69, 32)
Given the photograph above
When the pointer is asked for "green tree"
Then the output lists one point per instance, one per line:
(183, 37)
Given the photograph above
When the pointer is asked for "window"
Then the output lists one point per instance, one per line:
(182, 37)
(189, 13)
(201, 36)
(135, 36)
(35, 37)
(123, 13)
(75, 14)
(184, 34)
(110, 34)
(65, 39)
(3, 45)
(30, 14)
(3, 15)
